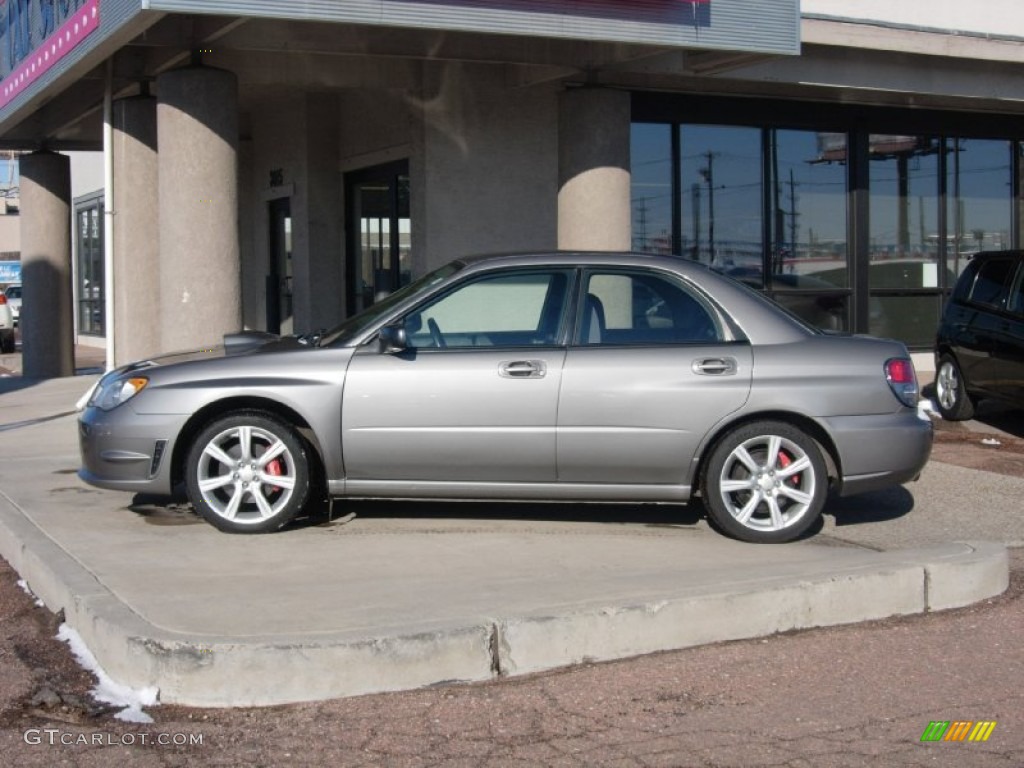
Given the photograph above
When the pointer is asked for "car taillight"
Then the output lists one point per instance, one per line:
(899, 372)
(3, 299)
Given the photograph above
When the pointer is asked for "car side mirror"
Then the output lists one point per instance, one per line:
(393, 339)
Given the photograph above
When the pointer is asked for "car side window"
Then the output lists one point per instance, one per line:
(511, 309)
(636, 308)
(990, 284)
(1015, 301)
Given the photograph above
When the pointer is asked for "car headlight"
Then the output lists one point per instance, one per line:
(110, 394)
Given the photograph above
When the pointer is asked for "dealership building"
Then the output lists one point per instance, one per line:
(279, 165)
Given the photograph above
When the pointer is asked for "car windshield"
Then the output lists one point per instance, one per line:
(14, 292)
(355, 325)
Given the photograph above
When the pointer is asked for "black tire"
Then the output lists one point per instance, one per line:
(237, 488)
(754, 496)
(951, 396)
(7, 345)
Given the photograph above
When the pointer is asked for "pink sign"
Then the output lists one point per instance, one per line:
(82, 23)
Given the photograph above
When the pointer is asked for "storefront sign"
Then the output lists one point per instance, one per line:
(36, 34)
(10, 271)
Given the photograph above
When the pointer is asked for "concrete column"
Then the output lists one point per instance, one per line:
(47, 322)
(319, 277)
(197, 129)
(136, 230)
(593, 170)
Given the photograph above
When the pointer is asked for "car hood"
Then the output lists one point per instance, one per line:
(235, 344)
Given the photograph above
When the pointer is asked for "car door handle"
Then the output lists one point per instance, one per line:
(523, 369)
(714, 366)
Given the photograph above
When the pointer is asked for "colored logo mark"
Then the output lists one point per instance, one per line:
(958, 730)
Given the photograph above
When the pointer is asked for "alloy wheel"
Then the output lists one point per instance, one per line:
(767, 483)
(246, 474)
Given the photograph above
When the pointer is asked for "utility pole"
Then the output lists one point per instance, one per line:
(708, 173)
(695, 189)
(641, 223)
(792, 215)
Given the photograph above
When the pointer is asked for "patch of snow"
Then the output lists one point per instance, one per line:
(926, 409)
(106, 690)
(24, 585)
(990, 441)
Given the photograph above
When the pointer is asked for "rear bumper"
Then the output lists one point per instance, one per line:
(879, 451)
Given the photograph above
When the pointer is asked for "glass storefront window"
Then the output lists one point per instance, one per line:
(651, 188)
(807, 200)
(980, 196)
(904, 254)
(776, 208)
(911, 319)
(721, 197)
(904, 211)
(829, 311)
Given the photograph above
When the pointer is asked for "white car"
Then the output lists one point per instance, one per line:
(13, 294)
(6, 326)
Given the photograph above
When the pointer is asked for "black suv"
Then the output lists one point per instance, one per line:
(979, 351)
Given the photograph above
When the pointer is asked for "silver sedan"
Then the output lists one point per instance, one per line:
(559, 377)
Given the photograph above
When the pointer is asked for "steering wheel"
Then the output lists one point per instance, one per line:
(435, 334)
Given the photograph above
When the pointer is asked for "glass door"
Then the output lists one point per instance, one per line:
(280, 312)
(91, 289)
(378, 232)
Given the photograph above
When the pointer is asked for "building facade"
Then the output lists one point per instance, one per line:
(280, 165)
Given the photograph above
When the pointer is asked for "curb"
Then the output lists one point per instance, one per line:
(277, 670)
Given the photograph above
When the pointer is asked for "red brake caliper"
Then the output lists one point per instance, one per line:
(785, 461)
(274, 468)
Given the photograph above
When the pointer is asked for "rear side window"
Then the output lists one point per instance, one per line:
(990, 285)
(1015, 302)
(639, 308)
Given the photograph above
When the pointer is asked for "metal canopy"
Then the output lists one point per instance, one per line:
(369, 43)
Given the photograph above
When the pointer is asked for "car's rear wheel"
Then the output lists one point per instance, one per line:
(765, 482)
(7, 343)
(248, 472)
(950, 392)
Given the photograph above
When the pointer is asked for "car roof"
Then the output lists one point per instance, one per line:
(982, 255)
(588, 258)
(569, 257)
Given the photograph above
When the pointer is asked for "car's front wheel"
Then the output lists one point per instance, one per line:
(248, 472)
(765, 482)
(951, 392)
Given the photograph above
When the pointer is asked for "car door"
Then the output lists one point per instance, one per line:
(1008, 335)
(474, 396)
(649, 374)
(984, 324)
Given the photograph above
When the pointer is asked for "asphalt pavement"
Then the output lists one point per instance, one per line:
(400, 596)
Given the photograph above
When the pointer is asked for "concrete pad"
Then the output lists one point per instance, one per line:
(393, 601)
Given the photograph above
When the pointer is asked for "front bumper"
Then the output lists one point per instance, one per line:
(879, 451)
(125, 451)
